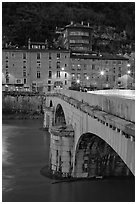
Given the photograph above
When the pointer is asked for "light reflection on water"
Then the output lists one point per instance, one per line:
(25, 152)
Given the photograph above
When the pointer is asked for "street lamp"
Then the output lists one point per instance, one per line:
(87, 77)
(128, 65)
(102, 73)
(129, 72)
(78, 81)
(62, 68)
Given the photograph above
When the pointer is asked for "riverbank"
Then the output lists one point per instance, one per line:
(59, 179)
(21, 116)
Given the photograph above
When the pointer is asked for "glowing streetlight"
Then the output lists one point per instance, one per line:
(78, 81)
(128, 65)
(62, 68)
(102, 73)
(129, 72)
(87, 77)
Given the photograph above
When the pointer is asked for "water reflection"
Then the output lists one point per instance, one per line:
(25, 151)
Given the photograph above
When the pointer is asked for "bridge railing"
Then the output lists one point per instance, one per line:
(123, 107)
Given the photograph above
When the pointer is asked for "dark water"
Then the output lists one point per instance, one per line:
(25, 152)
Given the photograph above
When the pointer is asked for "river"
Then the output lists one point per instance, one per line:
(25, 148)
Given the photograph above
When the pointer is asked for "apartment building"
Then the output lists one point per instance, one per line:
(35, 69)
(76, 37)
(97, 71)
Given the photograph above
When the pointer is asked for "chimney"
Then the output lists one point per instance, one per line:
(81, 22)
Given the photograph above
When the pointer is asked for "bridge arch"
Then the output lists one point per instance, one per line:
(59, 115)
(94, 157)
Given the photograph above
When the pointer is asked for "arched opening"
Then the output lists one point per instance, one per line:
(95, 158)
(59, 116)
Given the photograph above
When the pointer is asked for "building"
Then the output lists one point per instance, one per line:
(35, 69)
(75, 37)
(41, 69)
(97, 71)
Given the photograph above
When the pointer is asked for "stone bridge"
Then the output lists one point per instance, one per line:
(92, 134)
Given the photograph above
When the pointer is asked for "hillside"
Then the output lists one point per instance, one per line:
(38, 20)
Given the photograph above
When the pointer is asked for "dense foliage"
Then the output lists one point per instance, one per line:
(38, 20)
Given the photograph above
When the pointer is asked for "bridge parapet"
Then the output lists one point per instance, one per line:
(126, 128)
(117, 105)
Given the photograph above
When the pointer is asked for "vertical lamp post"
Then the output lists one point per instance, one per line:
(102, 74)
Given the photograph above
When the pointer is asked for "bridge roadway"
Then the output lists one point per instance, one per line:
(109, 114)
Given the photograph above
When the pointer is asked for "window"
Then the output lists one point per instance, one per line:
(65, 82)
(38, 74)
(65, 65)
(49, 64)
(119, 62)
(78, 75)
(7, 56)
(24, 74)
(58, 65)
(13, 55)
(58, 74)
(7, 80)
(85, 75)
(49, 82)
(73, 75)
(58, 55)
(65, 75)
(38, 55)
(25, 81)
(24, 55)
(50, 74)
(113, 78)
(38, 64)
(119, 75)
(18, 81)
(93, 66)
(120, 69)
(106, 77)
(85, 66)
(49, 55)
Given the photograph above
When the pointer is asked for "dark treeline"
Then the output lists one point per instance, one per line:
(38, 20)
